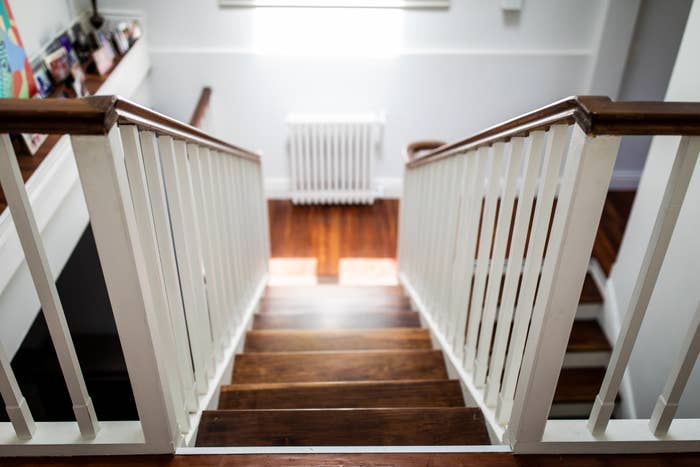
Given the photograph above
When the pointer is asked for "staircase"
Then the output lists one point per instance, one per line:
(333, 365)
(329, 366)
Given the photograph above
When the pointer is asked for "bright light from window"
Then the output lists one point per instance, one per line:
(327, 32)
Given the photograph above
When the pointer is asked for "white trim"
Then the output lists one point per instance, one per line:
(385, 187)
(423, 4)
(621, 436)
(402, 52)
(342, 449)
(224, 366)
(489, 414)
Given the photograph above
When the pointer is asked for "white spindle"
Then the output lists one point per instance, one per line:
(671, 203)
(40, 270)
(465, 248)
(584, 187)
(495, 275)
(144, 224)
(495, 159)
(528, 185)
(189, 266)
(15, 404)
(549, 178)
(166, 249)
(667, 403)
(100, 161)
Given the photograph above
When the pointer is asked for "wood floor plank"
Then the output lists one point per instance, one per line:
(356, 394)
(322, 320)
(382, 365)
(296, 340)
(341, 427)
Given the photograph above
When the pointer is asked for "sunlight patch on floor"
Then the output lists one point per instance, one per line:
(293, 271)
(367, 271)
(351, 272)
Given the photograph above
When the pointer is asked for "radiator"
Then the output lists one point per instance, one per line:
(331, 158)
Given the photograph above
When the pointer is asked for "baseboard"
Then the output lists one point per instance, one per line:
(387, 187)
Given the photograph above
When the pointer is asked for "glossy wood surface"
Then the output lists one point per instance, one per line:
(369, 365)
(342, 394)
(482, 459)
(299, 340)
(339, 427)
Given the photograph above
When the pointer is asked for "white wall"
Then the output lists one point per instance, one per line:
(436, 74)
(677, 294)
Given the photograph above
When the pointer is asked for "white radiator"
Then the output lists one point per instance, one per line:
(331, 158)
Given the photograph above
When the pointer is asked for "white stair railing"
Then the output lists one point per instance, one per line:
(496, 233)
(180, 225)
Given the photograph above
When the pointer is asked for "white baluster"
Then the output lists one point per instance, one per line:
(671, 203)
(528, 186)
(15, 405)
(40, 270)
(667, 403)
(100, 161)
(583, 190)
(144, 224)
(189, 265)
(551, 167)
(495, 275)
(484, 252)
(166, 249)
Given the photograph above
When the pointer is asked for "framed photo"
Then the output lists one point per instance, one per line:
(58, 64)
(103, 59)
(120, 37)
(43, 80)
(33, 141)
(79, 81)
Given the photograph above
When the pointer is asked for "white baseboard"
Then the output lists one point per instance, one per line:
(387, 187)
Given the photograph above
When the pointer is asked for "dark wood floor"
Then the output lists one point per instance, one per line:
(374, 460)
(329, 233)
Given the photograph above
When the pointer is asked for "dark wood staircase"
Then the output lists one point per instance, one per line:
(340, 366)
(333, 365)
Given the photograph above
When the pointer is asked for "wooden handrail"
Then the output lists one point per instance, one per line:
(201, 109)
(415, 147)
(97, 115)
(595, 115)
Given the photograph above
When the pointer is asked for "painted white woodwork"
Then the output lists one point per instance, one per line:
(144, 222)
(549, 177)
(584, 185)
(103, 176)
(667, 404)
(671, 203)
(15, 404)
(35, 255)
(189, 264)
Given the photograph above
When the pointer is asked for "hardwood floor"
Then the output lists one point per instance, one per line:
(330, 233)
(371, 460)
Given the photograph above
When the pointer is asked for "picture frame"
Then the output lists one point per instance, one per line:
(43, 80)
(57, 63)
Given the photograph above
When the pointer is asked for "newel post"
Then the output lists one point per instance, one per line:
(102, 170)
(584, 186)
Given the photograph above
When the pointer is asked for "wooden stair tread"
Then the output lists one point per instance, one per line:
(342, 394)
(321, 320)
(294, 340)
(587, 336)
(578, 385)
(343, 427)
(372, 365)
